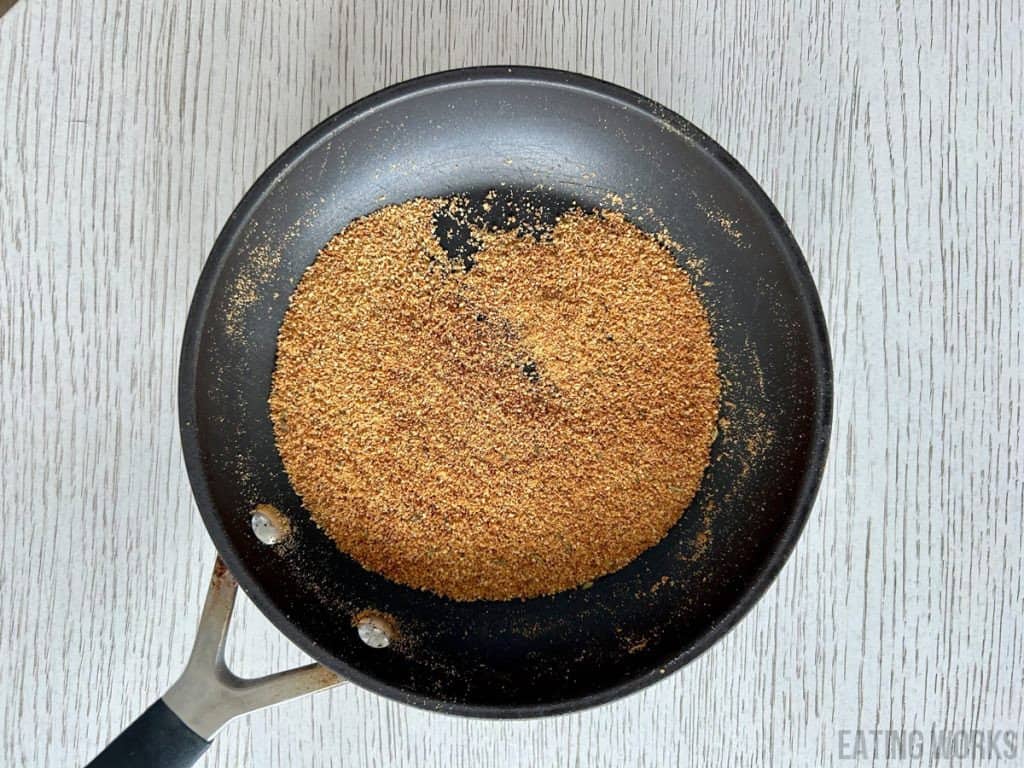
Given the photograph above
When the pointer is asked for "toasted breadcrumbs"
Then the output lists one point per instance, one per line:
(509, 430)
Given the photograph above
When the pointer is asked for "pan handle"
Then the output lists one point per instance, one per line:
(158, 737)
(178, 728)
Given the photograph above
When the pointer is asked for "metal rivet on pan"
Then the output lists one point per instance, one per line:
(373, 631)
(269, 525)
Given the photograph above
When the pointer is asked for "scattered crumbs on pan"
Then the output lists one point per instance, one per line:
(726, 223)
(244, 293)
(657, 585)
(613, 199)
(630, 641)
(243, 473)
(696, 267)
(703, 539)
(637, 645)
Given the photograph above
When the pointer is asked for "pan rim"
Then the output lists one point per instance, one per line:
(818, 436)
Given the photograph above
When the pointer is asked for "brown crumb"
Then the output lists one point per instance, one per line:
(510, 430)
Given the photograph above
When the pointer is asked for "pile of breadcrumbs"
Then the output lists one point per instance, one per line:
(510, 430)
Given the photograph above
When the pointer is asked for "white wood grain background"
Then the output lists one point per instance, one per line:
(889, 135)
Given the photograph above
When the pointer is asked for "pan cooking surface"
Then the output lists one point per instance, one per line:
(556, 140)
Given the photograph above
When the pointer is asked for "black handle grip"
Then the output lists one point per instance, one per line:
(157, 739)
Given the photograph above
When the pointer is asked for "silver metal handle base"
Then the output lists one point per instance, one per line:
(208, 694)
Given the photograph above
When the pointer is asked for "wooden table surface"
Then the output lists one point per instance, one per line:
(890, 137)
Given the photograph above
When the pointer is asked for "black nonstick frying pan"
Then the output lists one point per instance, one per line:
(560, 140)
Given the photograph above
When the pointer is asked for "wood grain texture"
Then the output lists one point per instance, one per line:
(890, 137)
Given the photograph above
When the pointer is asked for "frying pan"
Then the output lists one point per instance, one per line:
(559, 140)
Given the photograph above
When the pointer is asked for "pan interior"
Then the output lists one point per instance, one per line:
(559, 141)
